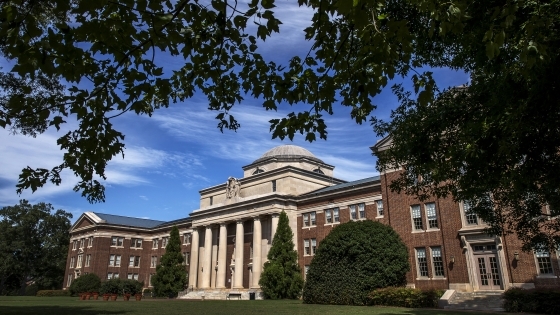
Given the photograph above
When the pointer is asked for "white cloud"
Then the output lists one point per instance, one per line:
(144, 198)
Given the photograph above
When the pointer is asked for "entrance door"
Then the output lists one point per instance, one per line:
(488, 268)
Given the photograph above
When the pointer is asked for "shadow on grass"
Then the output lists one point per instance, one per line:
(57, 310)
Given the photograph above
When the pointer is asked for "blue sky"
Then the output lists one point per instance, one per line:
(178, 151)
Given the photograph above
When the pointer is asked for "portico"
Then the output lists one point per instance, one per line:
(236, 222)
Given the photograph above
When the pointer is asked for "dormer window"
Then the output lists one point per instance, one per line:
(258, 171)
(318, 171)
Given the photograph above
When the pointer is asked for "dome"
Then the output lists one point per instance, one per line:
(288, 151)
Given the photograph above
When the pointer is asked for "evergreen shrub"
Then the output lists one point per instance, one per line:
(85, 283)
(353, 260)
(281, 277)
(31, 290)
(405, 297)
(532, 301)
(111, 286)
(131, 286)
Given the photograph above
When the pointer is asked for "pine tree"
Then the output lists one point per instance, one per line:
(171, 276)
(281, 277)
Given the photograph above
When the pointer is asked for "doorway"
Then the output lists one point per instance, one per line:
(489, 275)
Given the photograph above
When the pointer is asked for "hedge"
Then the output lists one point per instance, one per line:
(405, 297)
(53, 293)
(354, 259)
(85, 283)
(532, 301)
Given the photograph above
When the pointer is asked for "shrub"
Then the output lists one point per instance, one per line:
(353, 260)
(31, 290)
(85, 283)
(131, 286)
(532, 301)
(111, 286)
(53, 293)
(405, 297)
(281, 277)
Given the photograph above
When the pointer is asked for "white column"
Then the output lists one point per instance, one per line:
(239, 242)
(257, 249)
(274, 225)
(222, 259)
(207, 261)
(193, 271)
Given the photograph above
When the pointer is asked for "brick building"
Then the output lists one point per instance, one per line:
(236, 221)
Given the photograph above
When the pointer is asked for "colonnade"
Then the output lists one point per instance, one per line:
(203, 279)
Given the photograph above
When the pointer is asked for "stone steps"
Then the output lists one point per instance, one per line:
(218, 294)
(479, 301)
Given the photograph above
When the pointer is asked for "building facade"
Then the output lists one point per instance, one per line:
(226, 240)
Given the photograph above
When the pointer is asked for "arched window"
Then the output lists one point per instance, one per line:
(258, 171)
(318, 171)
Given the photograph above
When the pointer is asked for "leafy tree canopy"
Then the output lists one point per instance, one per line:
(33, 244)
(501, 141)
(354, 259)
(171, 275)
(281, 277)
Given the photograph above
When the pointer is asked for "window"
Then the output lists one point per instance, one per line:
(431, 214)
(186, 258)
(134, 261)
(186, 238)
(305, 271)
(74, 244)
(313, 246)
(150, 280)
(353, 212)
(82, 242)
(422, 262)
(274, 185)
(90, 241)
(211, 200)
(312, 218)
(306, 219)
(258, 171)
(117, 241)
(88, 260)
(328, 216)
(309, 246)
(544, 263)
(72, 260)
(379, 208)
(153, 262)
(155, 242)
(336, 218)
(112, 275)
(115, 260)
(80, 258)
(437, 262)
(362, 210)
(132, 276)
(69, 281)
(417, 218)
(136, 243)
(164, 241)
(470, 217)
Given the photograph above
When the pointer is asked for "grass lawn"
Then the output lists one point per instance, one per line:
(72, 306)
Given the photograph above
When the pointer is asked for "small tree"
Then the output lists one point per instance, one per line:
(86, 283)
(353, 260)
(281, 277)
(171, 276)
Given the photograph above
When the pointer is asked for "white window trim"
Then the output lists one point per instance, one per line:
(418, 276)
(413, 226)
(433, 262)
